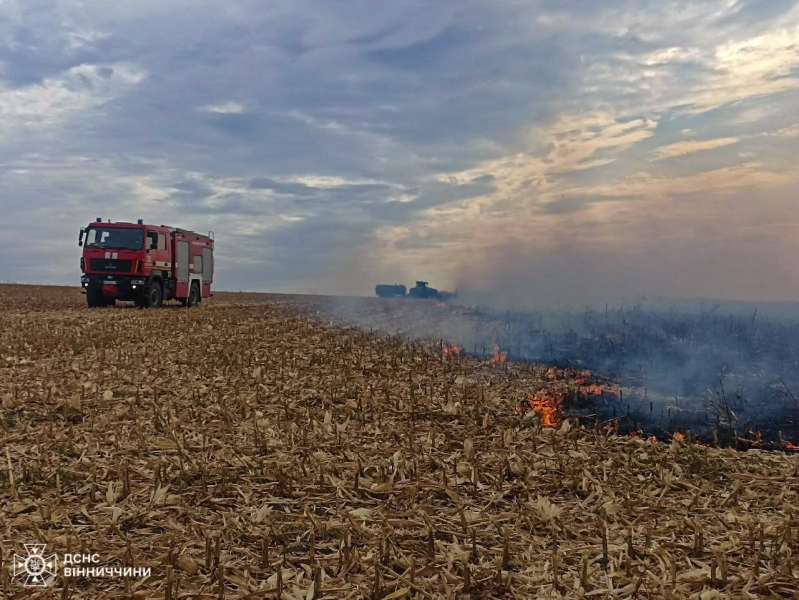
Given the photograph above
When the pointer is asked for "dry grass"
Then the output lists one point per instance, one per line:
(245, 447)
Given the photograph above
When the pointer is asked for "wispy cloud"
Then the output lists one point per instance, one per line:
(332, 145)
(689, 147)
(790, 131)
(77, 89)
(226, 108)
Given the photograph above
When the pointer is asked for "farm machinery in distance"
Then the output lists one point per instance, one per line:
(420, 290)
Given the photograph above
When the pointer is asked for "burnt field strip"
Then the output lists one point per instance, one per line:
(252, 448)
(728, 379)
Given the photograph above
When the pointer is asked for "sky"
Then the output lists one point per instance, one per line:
(551, 151)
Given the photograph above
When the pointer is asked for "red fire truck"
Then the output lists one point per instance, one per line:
(147, 264)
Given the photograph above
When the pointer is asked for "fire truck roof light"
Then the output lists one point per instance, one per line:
(140, 221)
(98, 220)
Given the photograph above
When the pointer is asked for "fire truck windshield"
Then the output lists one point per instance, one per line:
(115, 237)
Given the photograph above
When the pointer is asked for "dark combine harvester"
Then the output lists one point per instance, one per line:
(420, 290)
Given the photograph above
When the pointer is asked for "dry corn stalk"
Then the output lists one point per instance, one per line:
(374, 466)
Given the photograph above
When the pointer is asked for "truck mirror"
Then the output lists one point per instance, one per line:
(80, 236)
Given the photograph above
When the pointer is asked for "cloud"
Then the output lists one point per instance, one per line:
(54, 99)
(682, 148)
(790, 131)
(755, 114)
(288, 187)
(717, 181)
(226, 108)
(332, 145)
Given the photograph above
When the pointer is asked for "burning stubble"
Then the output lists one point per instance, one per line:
(721, 376)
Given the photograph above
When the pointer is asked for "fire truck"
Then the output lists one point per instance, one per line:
(148, 264)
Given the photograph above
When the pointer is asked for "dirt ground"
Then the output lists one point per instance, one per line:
(248, 448)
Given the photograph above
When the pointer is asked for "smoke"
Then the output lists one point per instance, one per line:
(587, 251)
(701, 369)
(605, 281)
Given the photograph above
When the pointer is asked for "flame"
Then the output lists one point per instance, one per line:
(653, 438)
(789, 446)
(594, 389)
(450, 350)
(499, 357)
(548, 407)
(679, 436)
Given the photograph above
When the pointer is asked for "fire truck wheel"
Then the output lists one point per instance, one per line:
(194, 295)
(94, 300)
(154, 295)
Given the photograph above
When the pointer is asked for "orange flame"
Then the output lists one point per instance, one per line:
(613, 427)
(450, 350)
(679, 436)
(594, 389)
(548, 407)
(789, 446)
(652, 438)
(499, 357)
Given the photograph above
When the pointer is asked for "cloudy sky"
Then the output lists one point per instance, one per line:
(562, 150)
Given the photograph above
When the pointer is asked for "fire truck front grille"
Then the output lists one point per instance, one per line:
(110, 265)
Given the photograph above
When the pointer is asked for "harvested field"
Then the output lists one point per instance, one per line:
(247, 449)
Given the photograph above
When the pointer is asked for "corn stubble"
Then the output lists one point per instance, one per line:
(247, 449)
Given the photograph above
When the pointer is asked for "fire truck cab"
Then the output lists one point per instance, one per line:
(147, 264)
